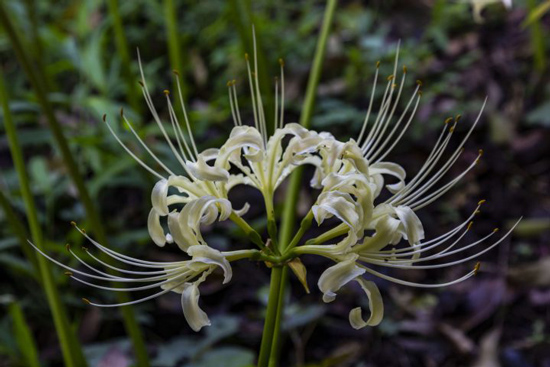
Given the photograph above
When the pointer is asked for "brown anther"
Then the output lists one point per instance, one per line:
(68, 247)
(166, 92)
(377, 64)
(477, 212)
(480, 152)
(234, 81)
(452, 129)
(122, 112)
(458, 117)
(176, 72)
(469, 226)
(246, 57)
(87, 301)
(104, 117)
(420, 93)
(390, 78)
(68, 273)
(481, 202)
(394, 85)
(229, 83)
(448, 119)
(404, 69)
(83, 230)
(73, 223)
(419, 82)
(281, 62)
(477, 267)
(495, 230)
(141, 83)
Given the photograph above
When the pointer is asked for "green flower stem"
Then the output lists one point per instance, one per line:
(273, 310)
(304, 226)
(278, 276)
(340, 230)
(37, 82)
(248, 230)
(70, 346)
(122, 49)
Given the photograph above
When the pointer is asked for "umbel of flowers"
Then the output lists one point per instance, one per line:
(349, 175)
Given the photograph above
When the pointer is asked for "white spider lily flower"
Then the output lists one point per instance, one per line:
(182, 277)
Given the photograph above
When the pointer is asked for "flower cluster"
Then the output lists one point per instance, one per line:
(351, 178)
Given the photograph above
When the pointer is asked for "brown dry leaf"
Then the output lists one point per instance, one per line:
(300, 271)
(536, 274)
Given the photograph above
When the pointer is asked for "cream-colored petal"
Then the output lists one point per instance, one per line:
(207, 255)
(159, 197)
(195, 317)
(390, 169)
(340, 205)
(376, 306)
(338, 275)
(413, 229)
(155, 229)
(203, 171)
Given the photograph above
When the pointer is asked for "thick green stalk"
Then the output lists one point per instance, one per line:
(70, 346)
(273, 310)
(122, 49)
(289, 214)
(37, 82)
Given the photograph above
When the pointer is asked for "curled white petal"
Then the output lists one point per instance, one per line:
(159, 197)
(413, 229)
(338, 275)
(207, 255)
(376, 306)
(155, 229)
(391, 169)
(195, 317)
(203, 171)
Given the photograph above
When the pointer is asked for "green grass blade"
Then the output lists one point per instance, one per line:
(132, 90)
(23, 336)
(70, 347)
(19, 231)
(37, 82)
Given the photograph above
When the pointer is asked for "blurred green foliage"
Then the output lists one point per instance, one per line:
(86, 51)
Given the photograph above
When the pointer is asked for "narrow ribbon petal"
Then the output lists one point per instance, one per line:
(376, 306)
(338, 275)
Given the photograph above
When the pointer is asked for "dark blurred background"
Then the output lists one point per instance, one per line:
(86, 52)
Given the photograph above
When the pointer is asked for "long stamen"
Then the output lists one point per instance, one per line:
(188, 125)
(366, 121)
(419, 285)
(236, 101)
(281, 122)
(231, 104)
(141, 163)
(177, 130)
(437, 256)
(156, 117)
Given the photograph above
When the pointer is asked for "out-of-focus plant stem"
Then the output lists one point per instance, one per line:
(537, 38)
(23, 336)
(174, 44)
(19, 231)
(279, 276)
(70, 347)
(38, 84)
(122, 49)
